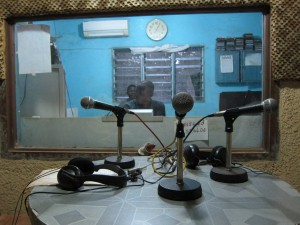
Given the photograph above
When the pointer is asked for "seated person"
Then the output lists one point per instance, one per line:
(131, 94)
(144, 93)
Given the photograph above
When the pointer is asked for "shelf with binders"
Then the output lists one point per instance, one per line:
(238, 59)
(239, 66)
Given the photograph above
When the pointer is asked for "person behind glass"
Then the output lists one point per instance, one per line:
(144, 93)
(131, 89)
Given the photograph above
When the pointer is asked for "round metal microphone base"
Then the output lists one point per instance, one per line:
(224, 175)
(125, 162)
(189, 190)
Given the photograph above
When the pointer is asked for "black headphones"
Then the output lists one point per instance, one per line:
(79, 170)
(193, 155)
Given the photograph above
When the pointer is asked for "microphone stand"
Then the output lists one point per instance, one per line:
(125, 162)
(180, 189)
(229, 174)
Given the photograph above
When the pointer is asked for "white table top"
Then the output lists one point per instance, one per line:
(262, 200)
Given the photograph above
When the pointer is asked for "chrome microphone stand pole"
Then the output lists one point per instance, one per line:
(124, 162)
(180, 135)
(120, 135)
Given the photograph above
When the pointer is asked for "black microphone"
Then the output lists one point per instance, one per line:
(268, 105)
(182, 103)
(89, 103)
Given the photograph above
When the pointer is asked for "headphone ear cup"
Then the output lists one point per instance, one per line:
(86, 166)
(190, 154)
(67, 179)
(218, 156)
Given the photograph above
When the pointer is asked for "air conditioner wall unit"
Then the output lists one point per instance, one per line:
(108, 28)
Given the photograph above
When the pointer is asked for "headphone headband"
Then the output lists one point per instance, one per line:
(71, 177)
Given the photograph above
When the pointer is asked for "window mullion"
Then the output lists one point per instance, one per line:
(143, 75)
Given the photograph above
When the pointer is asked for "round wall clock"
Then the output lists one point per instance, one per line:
(156, 29)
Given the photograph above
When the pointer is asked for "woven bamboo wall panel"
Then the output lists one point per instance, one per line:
(2, 50)
(285, 21)
(285, 40)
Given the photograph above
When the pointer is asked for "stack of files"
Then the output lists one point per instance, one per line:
(239, 43)
(221, 44)
(230, 44)
(248, 41)
(257, 44)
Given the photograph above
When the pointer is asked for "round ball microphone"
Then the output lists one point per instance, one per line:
(270, 105)
(87, 102)
(182, 103)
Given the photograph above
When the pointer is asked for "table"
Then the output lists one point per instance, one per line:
(262, 200)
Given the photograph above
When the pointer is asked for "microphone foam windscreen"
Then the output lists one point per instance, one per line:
(182, 103)
(86, 102)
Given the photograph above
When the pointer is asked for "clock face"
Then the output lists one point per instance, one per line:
(156, 29)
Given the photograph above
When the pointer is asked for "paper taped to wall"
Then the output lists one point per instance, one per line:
(200, 132)
(253, 59)
(226, 63)
(33, 43)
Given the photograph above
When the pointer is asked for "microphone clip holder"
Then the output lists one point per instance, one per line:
(229, 117)
(180, 130)
(119, 113)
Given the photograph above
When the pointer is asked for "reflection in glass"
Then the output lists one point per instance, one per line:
(208, 55)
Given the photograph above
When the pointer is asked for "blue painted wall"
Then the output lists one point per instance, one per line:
(88, 61)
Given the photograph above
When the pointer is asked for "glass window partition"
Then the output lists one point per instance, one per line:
(219, 58)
